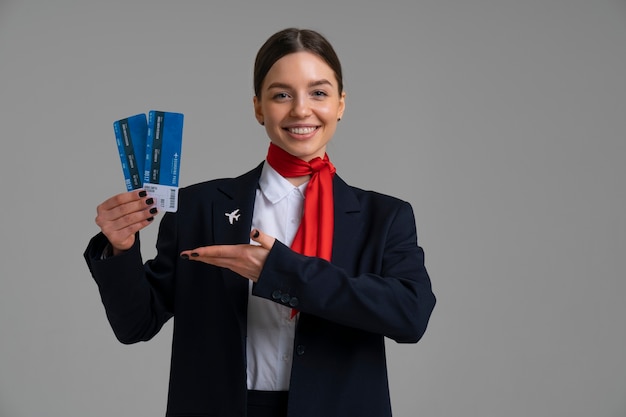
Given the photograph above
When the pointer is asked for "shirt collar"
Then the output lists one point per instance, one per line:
(274, 186)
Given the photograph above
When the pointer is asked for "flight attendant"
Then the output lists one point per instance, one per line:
(282, 282)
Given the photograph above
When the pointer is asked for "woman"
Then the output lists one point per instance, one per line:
(282, 282)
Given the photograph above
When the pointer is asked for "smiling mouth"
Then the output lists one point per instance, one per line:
(301, 130)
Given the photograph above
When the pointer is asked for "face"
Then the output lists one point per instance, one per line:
(300, 104)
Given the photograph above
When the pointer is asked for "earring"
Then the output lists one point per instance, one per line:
(339, 119)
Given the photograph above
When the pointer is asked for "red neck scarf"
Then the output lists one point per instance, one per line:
(315, 234)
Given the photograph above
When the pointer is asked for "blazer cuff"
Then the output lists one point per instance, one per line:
(272, 284)
(99, 252)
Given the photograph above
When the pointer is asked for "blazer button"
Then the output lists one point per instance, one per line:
(285, 298)
(293, 302)
(276, 295)
(300, 350)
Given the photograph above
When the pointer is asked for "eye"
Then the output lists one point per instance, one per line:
(319, 94)
(282, 96)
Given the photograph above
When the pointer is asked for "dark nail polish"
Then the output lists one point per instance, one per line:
(142, 193)
(150, 201)
(256, 234)
(150, 219)
(153, 210)
(195, 254)
(184, 256)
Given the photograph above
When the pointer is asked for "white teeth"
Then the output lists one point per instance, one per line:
(301, 130)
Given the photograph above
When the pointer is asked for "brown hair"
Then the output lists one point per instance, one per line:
(292, 40)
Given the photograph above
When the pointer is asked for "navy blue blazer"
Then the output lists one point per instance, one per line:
(375, 286)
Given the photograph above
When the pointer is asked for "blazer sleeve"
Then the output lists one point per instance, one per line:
(393, 299)
(137, 298)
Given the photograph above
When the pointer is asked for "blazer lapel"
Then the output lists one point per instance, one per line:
(347, 222)
(232, 215)
(232, 220)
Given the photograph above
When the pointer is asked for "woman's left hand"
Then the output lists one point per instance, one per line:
(246, 259)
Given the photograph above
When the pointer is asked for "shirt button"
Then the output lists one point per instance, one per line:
(300, 350)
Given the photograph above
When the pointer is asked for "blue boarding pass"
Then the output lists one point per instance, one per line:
(162, 158)
(130, 135)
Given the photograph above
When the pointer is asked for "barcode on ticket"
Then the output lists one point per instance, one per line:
(166, 197)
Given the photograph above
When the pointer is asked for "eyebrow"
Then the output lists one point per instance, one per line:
(311, 84)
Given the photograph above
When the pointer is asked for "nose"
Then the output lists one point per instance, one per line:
(300, 108)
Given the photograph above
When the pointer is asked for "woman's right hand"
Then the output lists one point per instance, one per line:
(123, 215)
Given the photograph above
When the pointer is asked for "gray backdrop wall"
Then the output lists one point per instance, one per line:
(503, 122)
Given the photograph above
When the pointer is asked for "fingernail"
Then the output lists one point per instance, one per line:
(150, 219)
(150, 201)
(184, 256)
(195, 254)
(255, 234)
(142, 193)
(153, 210)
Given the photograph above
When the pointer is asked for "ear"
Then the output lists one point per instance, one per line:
(258, 111)
(342, 105)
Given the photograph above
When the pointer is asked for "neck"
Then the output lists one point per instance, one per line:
(298, 181)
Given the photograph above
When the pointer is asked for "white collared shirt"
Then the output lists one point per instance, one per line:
(277, 212)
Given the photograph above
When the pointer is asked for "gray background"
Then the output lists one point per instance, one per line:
(502, 122)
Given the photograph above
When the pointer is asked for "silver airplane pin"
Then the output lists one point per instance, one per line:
(232, 217)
